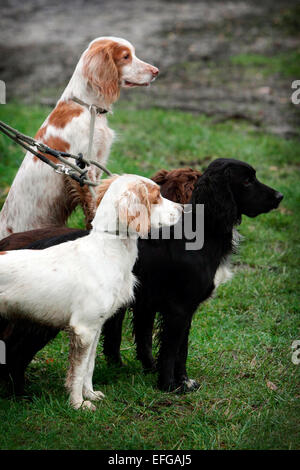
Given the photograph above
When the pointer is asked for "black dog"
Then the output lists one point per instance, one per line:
(173, 280)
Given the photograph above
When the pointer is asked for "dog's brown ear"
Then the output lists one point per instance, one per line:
(103, 187)
(187, 180)
(101, 71)
(134, 209)
(160, 176)
(177, 185)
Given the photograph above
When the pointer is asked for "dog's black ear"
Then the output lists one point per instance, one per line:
(220, 210)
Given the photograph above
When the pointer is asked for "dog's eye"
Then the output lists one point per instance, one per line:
(126, 56)
(247, 182)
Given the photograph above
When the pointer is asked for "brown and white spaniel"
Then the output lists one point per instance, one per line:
(40, 197)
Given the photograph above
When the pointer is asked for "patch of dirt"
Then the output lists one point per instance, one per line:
(192, 43)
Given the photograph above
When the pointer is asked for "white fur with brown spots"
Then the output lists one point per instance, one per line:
(38, 196)
(79, 284)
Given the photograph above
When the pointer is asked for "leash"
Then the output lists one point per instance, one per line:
(94, 110)
(88, 106)
(75, 171)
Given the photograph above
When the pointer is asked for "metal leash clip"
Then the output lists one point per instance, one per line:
(62, 169)
(77, 172)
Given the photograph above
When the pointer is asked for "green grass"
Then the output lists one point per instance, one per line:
(285, 64)
(240, 340)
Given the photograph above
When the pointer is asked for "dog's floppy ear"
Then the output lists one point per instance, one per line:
(134, 209)
(160, 177)
(220, 209)
(101, 71)
(177, 185)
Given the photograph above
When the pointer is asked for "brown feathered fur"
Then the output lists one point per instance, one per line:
(177, 185)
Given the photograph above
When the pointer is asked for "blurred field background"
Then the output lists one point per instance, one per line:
(223, 91)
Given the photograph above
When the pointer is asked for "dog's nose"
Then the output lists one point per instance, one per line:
(278, 196)
(154, 71)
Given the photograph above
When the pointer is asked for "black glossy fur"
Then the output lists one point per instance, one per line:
(173, 281)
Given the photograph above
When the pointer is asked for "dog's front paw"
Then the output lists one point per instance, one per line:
(85, 405)
(94, 395)
(184, 386)
(76, 405)
(88, 405)
(188, 385)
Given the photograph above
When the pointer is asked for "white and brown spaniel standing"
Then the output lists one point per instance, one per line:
(40, 197)
(79, 284)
